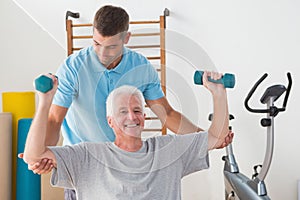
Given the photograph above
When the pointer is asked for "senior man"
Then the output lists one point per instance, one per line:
(128, 168)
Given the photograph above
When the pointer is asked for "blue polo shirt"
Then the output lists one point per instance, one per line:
(84, 84)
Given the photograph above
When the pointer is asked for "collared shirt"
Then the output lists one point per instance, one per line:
(84, 84)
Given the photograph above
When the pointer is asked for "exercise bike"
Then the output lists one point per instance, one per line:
(237, 185)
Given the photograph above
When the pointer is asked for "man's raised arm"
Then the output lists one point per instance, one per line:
(218, 129)
(35, 148)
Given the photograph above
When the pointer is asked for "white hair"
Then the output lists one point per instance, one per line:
(123, 90)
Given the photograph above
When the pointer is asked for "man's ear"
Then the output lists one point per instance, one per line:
(126, 38)
(109, 120)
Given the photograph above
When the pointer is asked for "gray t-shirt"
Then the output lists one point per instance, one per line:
(104, 171)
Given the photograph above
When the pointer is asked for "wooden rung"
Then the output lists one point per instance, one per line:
(153, 57)
(143, 46)
(145, 22)
(81, 25)
(134, 35)
(159, 70)
(83, 37)
(133, 22)
(149, 58)
(144, 34)
(152, 129)
(76, 49)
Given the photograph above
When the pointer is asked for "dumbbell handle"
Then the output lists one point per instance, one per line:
(228, 80)
(43, 83)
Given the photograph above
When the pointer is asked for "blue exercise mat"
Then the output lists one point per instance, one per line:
(28, 183)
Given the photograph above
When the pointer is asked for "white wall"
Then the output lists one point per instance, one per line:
(247, 38)
(27, 50)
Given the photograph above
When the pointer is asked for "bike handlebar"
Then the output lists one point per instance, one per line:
(246, 102)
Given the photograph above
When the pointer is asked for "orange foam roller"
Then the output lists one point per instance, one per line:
(21, 105)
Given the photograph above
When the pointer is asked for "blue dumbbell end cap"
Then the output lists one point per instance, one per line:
(198, 78)
(229, 80)
(43, 84)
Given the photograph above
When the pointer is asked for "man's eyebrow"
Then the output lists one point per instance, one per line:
(136, 107)
(112, 45)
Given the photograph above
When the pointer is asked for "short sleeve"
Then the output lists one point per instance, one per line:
(196, 156)
(70, 159)
(68, 84)
(153, 89)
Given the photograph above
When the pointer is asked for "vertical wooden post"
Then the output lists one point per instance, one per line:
(163, 61)
(69, 30)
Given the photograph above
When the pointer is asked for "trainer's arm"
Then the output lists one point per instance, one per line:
(35, 148)
(55, 119)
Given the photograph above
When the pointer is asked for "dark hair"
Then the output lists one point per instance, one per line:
(110, 20)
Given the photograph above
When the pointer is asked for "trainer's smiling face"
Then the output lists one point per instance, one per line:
(128, 116)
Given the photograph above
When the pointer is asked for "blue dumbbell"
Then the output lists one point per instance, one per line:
(43, 83)
(228, 80)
